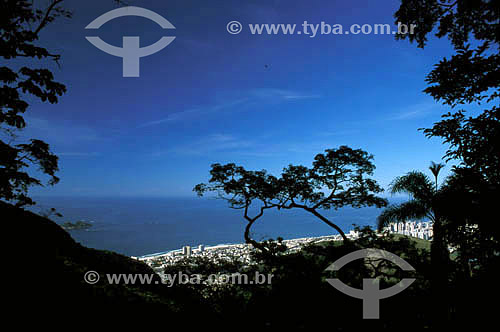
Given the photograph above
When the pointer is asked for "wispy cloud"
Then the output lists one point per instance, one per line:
(207, 145)
(65, 138)
(261, 95)
(57, 132)
(413, 112)
(281, 94)
(78, 154)
(340, 132)
(257, 147)
(311, 148)
(195, 112)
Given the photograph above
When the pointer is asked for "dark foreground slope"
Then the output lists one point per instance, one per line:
(51, 265)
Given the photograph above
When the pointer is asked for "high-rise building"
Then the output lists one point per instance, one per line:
(186, 251)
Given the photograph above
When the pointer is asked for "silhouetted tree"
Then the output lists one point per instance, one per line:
(424, 204)
(242, 188)
(473, 246)
(341, 172)
(299, 297)
(338, 178)
(21, 77)
(435, 169)
(20, 25)
(470, 76)
(420, 206)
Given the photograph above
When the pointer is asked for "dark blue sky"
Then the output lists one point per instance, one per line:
(260, 101)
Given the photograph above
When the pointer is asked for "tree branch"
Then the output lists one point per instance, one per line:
(329, 223)
(251, 221)
(318, 215)
(45, 19)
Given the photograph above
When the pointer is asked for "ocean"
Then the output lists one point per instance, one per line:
(141, 226)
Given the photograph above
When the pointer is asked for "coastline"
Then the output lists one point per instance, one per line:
(241, 251)
(136, 226)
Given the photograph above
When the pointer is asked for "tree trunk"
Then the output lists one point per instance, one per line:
(329, 223)
(439, 278)
(251, 241)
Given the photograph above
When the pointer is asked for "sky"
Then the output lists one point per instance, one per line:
(261, 101)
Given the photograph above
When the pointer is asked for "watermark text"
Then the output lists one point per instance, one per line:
(312, 30)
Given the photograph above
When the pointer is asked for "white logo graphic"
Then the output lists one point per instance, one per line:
(370, 294)
(131, 51)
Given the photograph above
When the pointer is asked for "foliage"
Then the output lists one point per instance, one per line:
(468, 199)
(435, 168)
(421, 190)
(456, 19)
(474, 142)
(299, 296)
(425, 203)
(339, 177)
(469, 76)
(469, 227)
(20, 26)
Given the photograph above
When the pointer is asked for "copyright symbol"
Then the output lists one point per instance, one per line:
(91, 277)
(234, 27)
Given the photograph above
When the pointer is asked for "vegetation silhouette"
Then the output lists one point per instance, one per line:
(20, 27)
(342, 172)
(21, 23)
(452, 277)
(423, 205)
(435, 169)
(466, 201)
(299, 297)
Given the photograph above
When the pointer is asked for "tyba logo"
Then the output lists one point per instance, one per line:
(371, 293)
(131, 52)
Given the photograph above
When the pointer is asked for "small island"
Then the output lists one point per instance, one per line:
(79, 225)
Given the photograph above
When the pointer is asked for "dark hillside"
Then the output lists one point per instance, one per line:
(53, 265)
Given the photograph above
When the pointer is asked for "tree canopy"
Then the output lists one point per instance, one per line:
(471, 75)
(468, 79)
(24, 76)
(20, 26)
(337, 178)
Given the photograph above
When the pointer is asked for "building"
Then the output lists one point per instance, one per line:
(421, 230)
